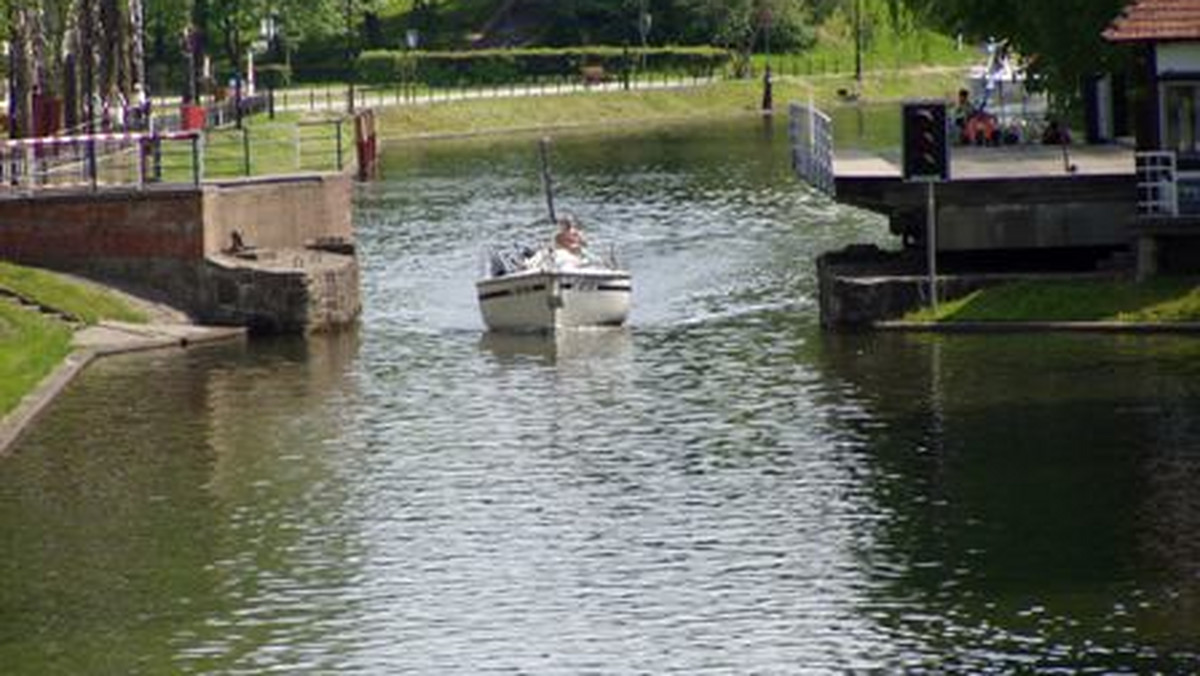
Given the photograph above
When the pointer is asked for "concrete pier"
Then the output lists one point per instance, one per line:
(273, 254)
(1008, 213)
(1005, 199)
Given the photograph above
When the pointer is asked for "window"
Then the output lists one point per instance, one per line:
(1181, 117)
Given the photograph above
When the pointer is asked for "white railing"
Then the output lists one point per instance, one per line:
(1157, 184)
(811, 134)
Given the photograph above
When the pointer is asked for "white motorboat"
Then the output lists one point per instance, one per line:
(552, 289)
(558, 287)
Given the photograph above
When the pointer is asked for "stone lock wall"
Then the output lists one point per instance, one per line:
(172, 244)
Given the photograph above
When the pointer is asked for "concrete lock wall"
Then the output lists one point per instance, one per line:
(166, 244)
(278, 213)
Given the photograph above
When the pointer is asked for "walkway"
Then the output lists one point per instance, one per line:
(1023, 161)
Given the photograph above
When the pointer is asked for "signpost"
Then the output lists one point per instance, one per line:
(927, 160)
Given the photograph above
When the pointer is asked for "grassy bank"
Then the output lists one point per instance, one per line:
(1169, 299)
(32, 344)
(720, 99)
(88, 303)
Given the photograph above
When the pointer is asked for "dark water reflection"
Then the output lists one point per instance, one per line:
(720, 488)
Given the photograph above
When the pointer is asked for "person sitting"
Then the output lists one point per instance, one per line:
(975, 126)
(964, 110)
(569, 237)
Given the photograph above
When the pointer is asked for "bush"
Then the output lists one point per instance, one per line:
(274, 76)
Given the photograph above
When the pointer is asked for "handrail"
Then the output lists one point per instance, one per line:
(1157, 183)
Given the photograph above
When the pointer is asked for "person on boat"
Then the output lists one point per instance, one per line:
(569, 237)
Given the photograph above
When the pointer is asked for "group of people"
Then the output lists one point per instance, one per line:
(975, 126)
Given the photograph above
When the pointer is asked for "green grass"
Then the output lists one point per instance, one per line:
(89, 303)
(1167, 299)
(31, 345)
(721, 99)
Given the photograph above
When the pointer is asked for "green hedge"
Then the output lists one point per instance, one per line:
(504, 66)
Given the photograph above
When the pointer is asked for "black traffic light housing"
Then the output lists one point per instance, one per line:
(926, 146)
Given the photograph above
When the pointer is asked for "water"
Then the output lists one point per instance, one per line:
(721, 488)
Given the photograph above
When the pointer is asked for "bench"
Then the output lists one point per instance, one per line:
(593, 75)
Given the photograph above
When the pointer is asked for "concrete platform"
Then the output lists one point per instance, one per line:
(1010, 198)
(1004, 162)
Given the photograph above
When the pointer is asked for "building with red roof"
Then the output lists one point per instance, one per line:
(1166, 35)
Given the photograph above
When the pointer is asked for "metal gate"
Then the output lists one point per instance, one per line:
(811, 134)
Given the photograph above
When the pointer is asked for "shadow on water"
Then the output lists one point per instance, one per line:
(559, 347)
(1037, 494)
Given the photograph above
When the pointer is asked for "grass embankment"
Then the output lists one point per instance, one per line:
(1157, 301)
(32, 343)
(90, 304)
(720, 99)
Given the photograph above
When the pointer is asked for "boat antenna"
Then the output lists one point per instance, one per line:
(547, 181)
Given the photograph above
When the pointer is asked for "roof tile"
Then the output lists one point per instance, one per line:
(1156, 20)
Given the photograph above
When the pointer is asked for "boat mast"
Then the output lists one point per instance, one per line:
(547, 181)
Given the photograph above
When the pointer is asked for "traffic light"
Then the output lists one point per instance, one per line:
(926, 152)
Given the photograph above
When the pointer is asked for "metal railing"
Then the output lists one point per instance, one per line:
(264, 148)
(139, 159)
(131, 159)
(811, 134)
(1157, 183)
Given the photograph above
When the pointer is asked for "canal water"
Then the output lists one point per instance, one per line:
(721, 488)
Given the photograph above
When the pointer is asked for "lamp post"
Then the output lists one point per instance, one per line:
(412, 38)
(645, 23)
(858, 41)
(267, 32)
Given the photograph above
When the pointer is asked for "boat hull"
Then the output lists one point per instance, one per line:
(547, 301)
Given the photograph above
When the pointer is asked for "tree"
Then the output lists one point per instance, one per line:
(1061, 37)
(747, 25)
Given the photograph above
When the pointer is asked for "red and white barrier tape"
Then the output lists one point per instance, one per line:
(81, 139)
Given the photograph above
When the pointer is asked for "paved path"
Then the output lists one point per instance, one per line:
(334, 99)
